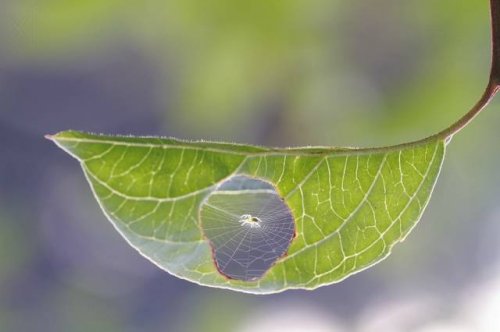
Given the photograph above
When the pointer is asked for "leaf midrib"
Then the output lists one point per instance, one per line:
(319, 151)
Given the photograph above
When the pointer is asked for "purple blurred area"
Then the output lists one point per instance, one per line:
(266, 72)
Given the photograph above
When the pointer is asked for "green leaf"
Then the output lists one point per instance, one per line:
(257, 219)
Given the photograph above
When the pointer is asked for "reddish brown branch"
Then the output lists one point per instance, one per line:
(493, 83)
(495, 42)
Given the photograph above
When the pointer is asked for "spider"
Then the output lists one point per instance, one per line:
(249, 220)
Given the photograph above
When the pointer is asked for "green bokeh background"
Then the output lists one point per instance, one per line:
(272, 72)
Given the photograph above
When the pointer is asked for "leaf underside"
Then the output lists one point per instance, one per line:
(349, 206)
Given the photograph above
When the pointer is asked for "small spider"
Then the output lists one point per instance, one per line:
(249, 220)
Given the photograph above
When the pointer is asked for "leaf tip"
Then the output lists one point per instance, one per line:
(61, 135)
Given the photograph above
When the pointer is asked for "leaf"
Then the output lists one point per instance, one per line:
(255, 219)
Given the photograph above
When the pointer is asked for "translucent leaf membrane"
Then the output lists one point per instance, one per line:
(256, 219)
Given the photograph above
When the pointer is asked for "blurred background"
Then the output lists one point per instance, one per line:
(271, 72)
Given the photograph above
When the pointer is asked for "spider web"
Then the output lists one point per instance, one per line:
(242, 250)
